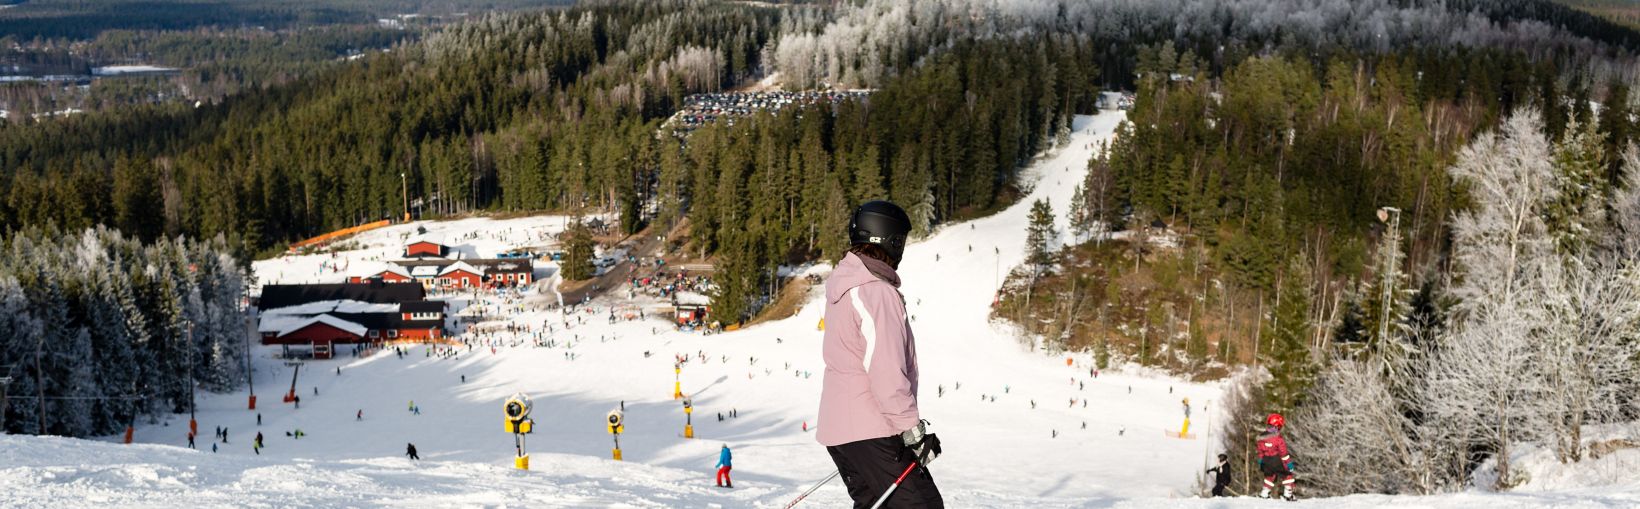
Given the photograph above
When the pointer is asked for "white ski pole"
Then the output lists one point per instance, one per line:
(897, 482)
(811, 490)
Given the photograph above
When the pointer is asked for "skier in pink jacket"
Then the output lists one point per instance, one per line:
(868, 399)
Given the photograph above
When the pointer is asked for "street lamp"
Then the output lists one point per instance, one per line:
(193, 351)
(4, 382)
(404, 185)
(1392, 216)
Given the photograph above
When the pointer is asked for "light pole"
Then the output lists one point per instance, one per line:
(4, 382)
(1392, 216)
(250, 376)
(193, 424)
(404, 186)
(40, 377)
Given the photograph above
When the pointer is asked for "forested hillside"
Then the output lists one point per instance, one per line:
(559, 110)
(556, 110)
(75, 19)
(99, 330)
(1414, 220)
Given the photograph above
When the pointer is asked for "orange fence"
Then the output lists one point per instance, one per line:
(339, 234)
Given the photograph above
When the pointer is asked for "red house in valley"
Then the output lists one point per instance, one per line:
(461, 275)
(425, 248)
(469, 273)
(320, 316)
(391, 274)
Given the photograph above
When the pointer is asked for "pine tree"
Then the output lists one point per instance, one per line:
(1580, 167)
(1289, 361)
(833, 224)
(1040, 238)
(17, 330)
(578, 251)
(868, 176)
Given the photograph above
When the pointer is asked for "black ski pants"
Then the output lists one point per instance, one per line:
(870, 466)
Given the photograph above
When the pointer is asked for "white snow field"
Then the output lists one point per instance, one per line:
(998, 454)
(467, 238)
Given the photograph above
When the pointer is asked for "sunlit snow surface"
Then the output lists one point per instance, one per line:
(1000, 454)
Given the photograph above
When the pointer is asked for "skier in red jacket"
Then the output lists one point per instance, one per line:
(1274, 460)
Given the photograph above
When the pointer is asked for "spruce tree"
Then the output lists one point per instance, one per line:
(1040, 235)
(578, 251)
(1289, 362)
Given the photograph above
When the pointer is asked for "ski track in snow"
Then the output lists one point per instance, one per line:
(999, 454)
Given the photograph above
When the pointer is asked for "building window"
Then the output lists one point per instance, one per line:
(373, 333)
(392, 333)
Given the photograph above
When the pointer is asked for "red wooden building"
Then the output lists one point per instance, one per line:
(425, 248)
(321, 316)
(393, 274)
(461, 275)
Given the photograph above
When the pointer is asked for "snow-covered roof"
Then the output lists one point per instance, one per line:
(332, 306)
(462, 266)
(424, 238)
(375, 268)
(424, 271)
(691, 299)
(286, 324)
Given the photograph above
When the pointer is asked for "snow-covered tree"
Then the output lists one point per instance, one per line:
(1354, 437)
(1484, 393)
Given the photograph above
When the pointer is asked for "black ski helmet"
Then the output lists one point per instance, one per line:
(882, 223)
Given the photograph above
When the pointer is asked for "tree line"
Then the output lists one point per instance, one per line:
(98, 329)
(945, 141)
(526, 111)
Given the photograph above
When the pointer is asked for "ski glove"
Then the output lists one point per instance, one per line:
(921, 442)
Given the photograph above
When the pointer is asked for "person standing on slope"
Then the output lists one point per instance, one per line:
(1221, 474)
(1273, 458)
(724, 464)
(868, 417)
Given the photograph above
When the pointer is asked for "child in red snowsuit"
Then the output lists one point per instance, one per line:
(1274, 460)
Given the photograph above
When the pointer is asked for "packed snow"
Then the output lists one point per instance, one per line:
(994, 402)
(369, 252)
(116, 70)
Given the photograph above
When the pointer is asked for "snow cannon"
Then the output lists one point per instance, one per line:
(516, 419)
(688, 417)
(517, 411)
(616, 420)
(677, 380)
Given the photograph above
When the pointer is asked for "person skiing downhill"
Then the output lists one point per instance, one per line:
(724, 465)
(1273, 458)
(868, 417)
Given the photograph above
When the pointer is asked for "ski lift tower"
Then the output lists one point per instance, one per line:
(5, 381)
(295, 369)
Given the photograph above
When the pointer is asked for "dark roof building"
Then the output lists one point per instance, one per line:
(278, 296)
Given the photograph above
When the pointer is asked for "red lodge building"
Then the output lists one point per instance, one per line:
(321, 315)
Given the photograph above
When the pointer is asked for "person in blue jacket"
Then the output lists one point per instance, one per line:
(723, 466)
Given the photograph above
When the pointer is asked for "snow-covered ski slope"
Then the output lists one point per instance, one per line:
(370, 251)
(999, 454)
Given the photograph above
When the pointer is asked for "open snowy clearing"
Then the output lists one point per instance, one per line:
(998, 454)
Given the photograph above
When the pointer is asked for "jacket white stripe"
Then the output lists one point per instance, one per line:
(868, 327)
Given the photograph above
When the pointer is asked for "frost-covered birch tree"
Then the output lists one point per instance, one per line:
(1484, 395)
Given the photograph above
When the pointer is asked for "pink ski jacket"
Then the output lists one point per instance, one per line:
(869, 387)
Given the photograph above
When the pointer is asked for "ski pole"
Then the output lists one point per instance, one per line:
(811, 490)
(897, 482)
